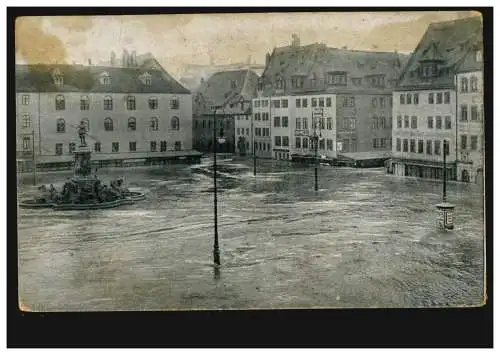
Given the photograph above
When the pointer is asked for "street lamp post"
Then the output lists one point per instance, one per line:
(216, 233)
(34, 157)
(253, 148)
(445, 210)
(315, 141)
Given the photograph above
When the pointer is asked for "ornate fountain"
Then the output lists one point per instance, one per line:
(83, 191)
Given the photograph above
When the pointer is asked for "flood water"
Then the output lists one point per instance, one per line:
(365, 239)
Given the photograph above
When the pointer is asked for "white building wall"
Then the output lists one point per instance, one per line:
(143, 135)
(470, 159)
(293, 112)
(423, 110)
(27, 108)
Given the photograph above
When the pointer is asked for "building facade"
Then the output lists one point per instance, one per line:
(426, 102)
(231, 92)
(343, 95)
(130, 113)
(470, 121)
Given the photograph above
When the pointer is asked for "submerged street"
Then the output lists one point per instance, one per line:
(365, 239)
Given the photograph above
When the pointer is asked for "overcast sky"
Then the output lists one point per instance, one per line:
(177, 40)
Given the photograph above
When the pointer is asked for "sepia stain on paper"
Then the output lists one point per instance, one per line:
(132, 129)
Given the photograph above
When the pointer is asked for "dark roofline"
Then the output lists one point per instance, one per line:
(450, 22)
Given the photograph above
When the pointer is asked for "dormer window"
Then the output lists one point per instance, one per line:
(59, 80)
(58, 77)
(278, 83)
(297, 82)
(260, 84)
(105, 79)
(337, 78)
(428, 70)
(479, 56)
(146, 79)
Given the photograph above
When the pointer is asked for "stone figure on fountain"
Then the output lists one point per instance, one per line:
(82, 132)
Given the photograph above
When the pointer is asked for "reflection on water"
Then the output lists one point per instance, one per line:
(364, 240)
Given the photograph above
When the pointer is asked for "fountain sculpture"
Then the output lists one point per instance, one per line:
(83, 191)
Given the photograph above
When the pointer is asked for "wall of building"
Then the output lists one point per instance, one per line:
(96, 114)
(470, 159)
(28, 107)
(355, 122)
(261, 111)
(422, 111)
(327, 133)
(203, 133)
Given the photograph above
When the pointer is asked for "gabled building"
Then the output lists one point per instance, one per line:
(426, 101)
(131, 113)
(344, 95)
(231, 91)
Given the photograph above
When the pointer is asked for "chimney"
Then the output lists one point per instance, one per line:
(295, 40)
(344, 47)
(268, 59)
(125, 58)
(133, 59)
(90, 61)
(112, 60)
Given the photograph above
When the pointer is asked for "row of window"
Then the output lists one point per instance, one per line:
(281, 141)
(349, 145)
(381, 102)
(348, 123)
(303, 102)
(303, 143)
(380, 122)
(415, 146)
(432, 98)
(261, 103)
(302, 123)
(60, 102)
(476, 113)
(262, 117)
(262, 132)
(242, 130)
(381, 143)
(208, 123)
(430, 122)
(115, 147)
(464, 84)
(109, 124)
(473, 142)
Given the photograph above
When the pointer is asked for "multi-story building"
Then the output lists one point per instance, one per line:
(232, 92)
(425, 101)
(130, 113)
(345, 95)
(261, 123)
(470, 121)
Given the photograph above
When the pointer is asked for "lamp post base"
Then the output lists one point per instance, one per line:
(445, 213)
(216, 256)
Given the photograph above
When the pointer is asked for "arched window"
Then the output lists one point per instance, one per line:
(174, 123)
(130, 102)
(60, 103)
(108, 103)
(473, 84)
(86, 123)
(131, 126)
(108, 124)
(61, 125)
(84, 103)
(154, 123)
(464, 85)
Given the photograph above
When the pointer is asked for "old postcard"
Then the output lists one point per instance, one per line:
(250, 161)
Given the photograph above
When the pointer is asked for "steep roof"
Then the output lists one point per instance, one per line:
(445, 43)
(226, 87)
(80, 78)
(315, 61)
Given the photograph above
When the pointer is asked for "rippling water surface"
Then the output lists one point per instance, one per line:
(366, 239)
